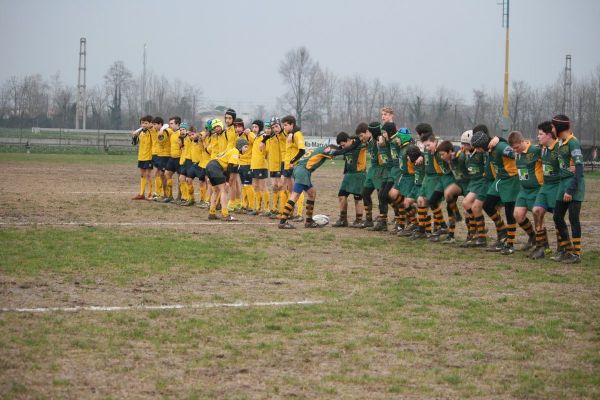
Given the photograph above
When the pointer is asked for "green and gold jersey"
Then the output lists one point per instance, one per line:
(419, 174)
(444, 167)
(385, 153)
(313, 159)
(374, 156)
(356, 160)
(569, 154)
(502, 159)
(550, 163)
(529, 167)
(458, 166)
(431, 165)
(406, 166)
(475, 163)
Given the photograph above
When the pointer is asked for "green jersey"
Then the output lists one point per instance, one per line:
(475, 164)
(458, 165)
(406, 166)
(374, 153)
(356, 160)
(569, 154)
(550, 163)
(431, 165)
(419, 174)
(444, 167)
(529, 167)
(502, 159)
(385, 152)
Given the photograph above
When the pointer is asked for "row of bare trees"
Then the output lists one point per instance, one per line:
(325, 103)
(116, 104)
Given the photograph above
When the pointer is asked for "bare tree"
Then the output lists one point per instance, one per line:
(301, 74)
(116, 79)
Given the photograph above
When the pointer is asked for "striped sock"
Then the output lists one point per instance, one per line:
(527, 227)
(369, 213)
(497, 218)
(480, 223)
(577, 246)
(511, 231)
(310, 208)
(287, 210)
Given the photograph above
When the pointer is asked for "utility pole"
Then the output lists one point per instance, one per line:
(567, 108)
(144, 83)
(80, 106)
(505, 24)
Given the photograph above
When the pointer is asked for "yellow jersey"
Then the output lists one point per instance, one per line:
(144, 146)
(154, 136)
(273, 152)
(174, 143)
(292, 146)
(164, 144)
(217, 144)
(204, 154)
(229, 156)
(259, 157)
(247, 156)
(231, 137)
(186, 152)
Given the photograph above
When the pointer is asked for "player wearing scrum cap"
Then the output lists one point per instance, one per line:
(571, 190)
(275, 147)
(218, 171)
(294, 150)
(404, 182)
(245, 176)
(260, 172)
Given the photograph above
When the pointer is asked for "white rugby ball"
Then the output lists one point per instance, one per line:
(321, 219)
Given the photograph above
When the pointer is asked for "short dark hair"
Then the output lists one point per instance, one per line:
(413, 152)
(176, 119)
(158, 120)
(146, 118)
(546, 127)
(481, 128)
(289, 119)
(361, 128)
(423, 127)
(342, 137)
(427, 136)
(446, 146)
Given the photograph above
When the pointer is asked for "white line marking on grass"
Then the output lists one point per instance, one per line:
(162, 307)
(131, 223)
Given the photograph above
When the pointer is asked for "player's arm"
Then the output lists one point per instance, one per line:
(577, 158)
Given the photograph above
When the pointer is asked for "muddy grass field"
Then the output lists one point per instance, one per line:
(252, 312)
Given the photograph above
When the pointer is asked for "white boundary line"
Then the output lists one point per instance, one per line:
(162, 307)
(132, 223)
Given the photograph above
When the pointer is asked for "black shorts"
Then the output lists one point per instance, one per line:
(234, 169)
(275, 174)
(287, 173)
(173, 164)
(261, 173)
(155, 160)
(145, 164)
(245, 174)
(343, 193)
(183, 169)
(195, 171)
(162, 162)
(215, 173)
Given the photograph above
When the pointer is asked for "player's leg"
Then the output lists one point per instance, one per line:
(343, 202)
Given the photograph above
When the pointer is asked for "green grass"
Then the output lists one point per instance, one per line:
(400, 319)
(118, 256)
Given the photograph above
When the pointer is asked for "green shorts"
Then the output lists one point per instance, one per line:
(564, 185)
(301, 175)
(416, 192)
(430, 185)
(375, 178)
(393, 174)
(353, 183)
(444, 182)
(507, 189)
(546, 197)
(405, 185)
(463, 185)
(526, 197)
(480, 187)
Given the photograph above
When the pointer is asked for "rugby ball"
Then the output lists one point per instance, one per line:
(321, 219)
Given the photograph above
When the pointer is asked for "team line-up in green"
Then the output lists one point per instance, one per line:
(411, 174)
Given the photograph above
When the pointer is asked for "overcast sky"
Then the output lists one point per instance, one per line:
(232, 49)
